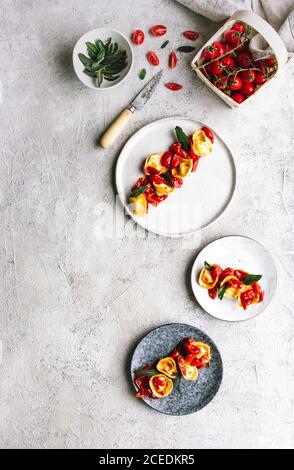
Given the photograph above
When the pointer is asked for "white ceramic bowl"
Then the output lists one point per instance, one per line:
(92, 36)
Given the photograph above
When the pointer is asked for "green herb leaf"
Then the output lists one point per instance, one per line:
(91, 47)
(208, 266)
(222, 291)
(185, 48)
(111, 78)
(182, 137)
(249, 279)
(167, 178)
(138, 191)
(142, 74)
(144, 372)
(164, 44)
(90, 74)
(87, 63)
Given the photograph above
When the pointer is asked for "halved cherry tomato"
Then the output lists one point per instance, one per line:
(172, 60)
(175, 353)
(239, 26)
(173, 86)
(235, 83)
(175, 161)
(248, 89)
(216, 271)
(208, 133)
(225, 273)
(159, 381)
(244, 59)
(212, 292)
(191, 35)
(152, 58)
(189, 358)
(260, 78)
(158, 30)
(178, 149)
(239, 274)
(177, 182)
(201, 362)
(248, 76)
(216, 67)
(157, 179)
(149, 170)
(232, 37)
(238, 97)
(247, 298)
(195, 163)
(153, 198)
(166, 159)
(190, 346)
(228, 62)
(138, 37)
(143, 181)
(233, 282)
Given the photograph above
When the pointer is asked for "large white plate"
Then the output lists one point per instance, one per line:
(205, 194)
(239, 253)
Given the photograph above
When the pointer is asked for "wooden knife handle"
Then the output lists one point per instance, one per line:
(115, 128)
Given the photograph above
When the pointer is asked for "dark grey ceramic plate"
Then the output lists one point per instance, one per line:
(187, 397)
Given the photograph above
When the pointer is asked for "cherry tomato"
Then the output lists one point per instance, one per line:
(210, 52)
(239, 274)
(159, 381)
(195, 163)
(244, 59)
(228, 48)
(149, 170)
(247, 298)
(158, 30)
(248, 89)
(153, 198)
(238, 97)
(212, 292)
(143, 181)
(216, 271)
(152, 58)
(233, 282)
(175, 353)
(248, 76)
(175, 161)
(177, 182)
(157, 179)
(260, 78)
(221, 83)
(232, 37)
(178, 149)
(235, 83)
(221, 47)
(189, 358)
(208, 133)
(172, 60)
(138, 37)
(226, 272)
(228, 62)
(166, 159)
(190, 346)
(191, 35)
(201, 362)
(239, 26)
(173, 86)
(216, 67)
(270, 61)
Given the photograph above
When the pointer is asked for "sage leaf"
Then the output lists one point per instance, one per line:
(164, 44)
(87, 63)
(138, 191)
(249, 279)
(142, 74)
(208, 266)
(145, 372)
(222, 291)
(185, 48)
(91, 47)
(182, 137)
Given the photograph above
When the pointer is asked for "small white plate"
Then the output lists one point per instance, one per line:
(237, 252)
(92, 36)
(205, 194)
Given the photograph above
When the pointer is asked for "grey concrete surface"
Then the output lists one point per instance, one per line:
(73, 305)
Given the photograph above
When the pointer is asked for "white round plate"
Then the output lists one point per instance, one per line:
(239, 253)
(205, 194)
(92, 36)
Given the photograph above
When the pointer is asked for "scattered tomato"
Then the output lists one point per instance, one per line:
(239, 26)
(238, 97)
(208, 133)
(235, 83)
(173, 86)
(248, 76)
(248, 89)
(138, 37)
(172, 60)
(244, 59)
(158, 30)
(152, 58)
(191, 35)
(232, 37)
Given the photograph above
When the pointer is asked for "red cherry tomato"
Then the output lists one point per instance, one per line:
(190, 346)
(221, 47)
(248, 76)
(189, 358)
(239, 274)
(158, 30)
(226, 272)
(159, 381)
(172, 60)
(178, 149)
(238, 97)
(175, 161)
(153, 198)
(177, 182)
(221, 83)
(212, 292)
(152, 58)
(235, 83)
(228, 62)
(248, 89)
(201, 362)
(149, 170)
(239, 26)
(191, 35)
(216, 67)
(138, 37)
(173, 86)
(208, 133)
(143, 181)
(228, 48)
(210, 52)
(233, 283)
(270, 61)
(244, 59)
(260, 78)
(232, 37)
(166, 159)
(157, 179)
(195, 163)
(175, 353)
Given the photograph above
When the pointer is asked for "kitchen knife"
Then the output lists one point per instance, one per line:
(123, 118)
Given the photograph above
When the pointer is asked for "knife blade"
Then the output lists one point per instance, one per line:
(137, 104)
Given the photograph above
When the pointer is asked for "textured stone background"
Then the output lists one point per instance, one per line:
(73, 306)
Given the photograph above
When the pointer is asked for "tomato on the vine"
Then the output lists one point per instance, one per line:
(216, 68)
(270, 61)
(232, 37)
(210, 52)
(238, 97)
(235, 83)
(248, 89)
(152, 58)
(239, 26)
(208, 133)
(138, 37)
(248, 76)
(158, 30)
(221, 82)
(220, 46)
(228, 62)
(260, 78)
(244, 59)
